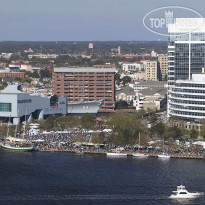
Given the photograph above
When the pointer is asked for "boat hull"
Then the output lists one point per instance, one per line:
(21, 149)
(116, 154)
(163, 156)
(139, 155)
(186, 196)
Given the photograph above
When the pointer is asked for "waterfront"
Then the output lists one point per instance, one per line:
(66, 178)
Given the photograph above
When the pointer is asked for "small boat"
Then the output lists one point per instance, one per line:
(80, 151)
(182, 193)
(116, 154)
(138, 154)
(163, 155)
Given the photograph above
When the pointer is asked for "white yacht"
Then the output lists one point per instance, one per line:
(163, 155)
(139, 155)
(116, 154)
(182, 193)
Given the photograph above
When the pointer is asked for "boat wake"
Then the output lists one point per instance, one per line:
(81, 197)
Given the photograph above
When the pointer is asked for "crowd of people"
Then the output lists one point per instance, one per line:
(63, 140)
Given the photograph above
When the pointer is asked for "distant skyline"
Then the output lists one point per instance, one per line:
(82, 20)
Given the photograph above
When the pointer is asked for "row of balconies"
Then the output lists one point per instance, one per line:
(187, 115)
(187, 104)
(182, 98)
(187, 93)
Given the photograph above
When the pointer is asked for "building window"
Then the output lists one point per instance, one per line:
(5, 107)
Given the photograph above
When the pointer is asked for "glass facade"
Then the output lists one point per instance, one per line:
(186, 56)
(178, 64)
(5, 107)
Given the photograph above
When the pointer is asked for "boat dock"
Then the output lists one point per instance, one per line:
(129, 154)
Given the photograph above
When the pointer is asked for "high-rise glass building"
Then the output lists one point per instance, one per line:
(186, 57)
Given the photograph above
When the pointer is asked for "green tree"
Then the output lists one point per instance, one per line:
(126, 80)
(158, 129)
(120, 104)
(173, 132)
(35, 74)
(193, 134)
(88, 121)
(49, 124)
(117, 76)
(202, 129)
(140, 113)
(45, 73)
(99, 139)
(126, 129)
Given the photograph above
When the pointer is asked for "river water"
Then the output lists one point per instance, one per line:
(65, 178)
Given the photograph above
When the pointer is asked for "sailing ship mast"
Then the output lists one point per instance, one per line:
(7, 134)
(25, 124)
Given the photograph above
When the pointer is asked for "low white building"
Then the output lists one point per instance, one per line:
(152, 98)
(141, 85)
(43, 56)
(141, 75)
(22, 66)
(6, 55)
(125, 93)
(133, 67)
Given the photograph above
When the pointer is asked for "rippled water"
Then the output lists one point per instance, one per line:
(63, 178)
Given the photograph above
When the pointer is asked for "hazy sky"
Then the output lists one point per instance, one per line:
(79, 20)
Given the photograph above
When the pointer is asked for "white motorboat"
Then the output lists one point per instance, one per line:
(182, 193)
(139, 155)
(163, 155)
(116, 154)
(80, 151)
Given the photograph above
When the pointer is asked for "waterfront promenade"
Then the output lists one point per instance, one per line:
(129, 154)
(80, 143)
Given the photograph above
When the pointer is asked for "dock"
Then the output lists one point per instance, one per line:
(129, 154)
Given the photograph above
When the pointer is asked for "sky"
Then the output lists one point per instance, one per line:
(82, 20)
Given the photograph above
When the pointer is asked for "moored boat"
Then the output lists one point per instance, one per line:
(163, 155)
(17, 146)
(116, 154)
(139, 155)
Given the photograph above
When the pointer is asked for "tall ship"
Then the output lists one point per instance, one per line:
(16, 144)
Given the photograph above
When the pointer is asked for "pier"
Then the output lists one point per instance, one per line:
(129, 154)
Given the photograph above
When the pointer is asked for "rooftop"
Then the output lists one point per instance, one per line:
(84, 70)
(126, 90)
(153, 91)
(12, 89)
(152, 82)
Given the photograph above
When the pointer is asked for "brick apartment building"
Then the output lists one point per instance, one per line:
(86, 84)
(12, 75)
